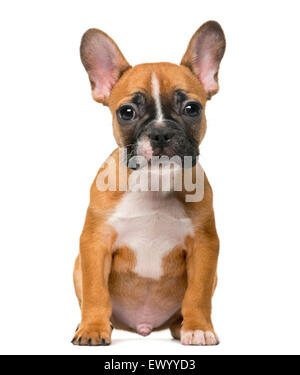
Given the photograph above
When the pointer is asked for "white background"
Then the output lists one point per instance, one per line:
(54, 138)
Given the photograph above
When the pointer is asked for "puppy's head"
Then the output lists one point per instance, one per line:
(158, 109)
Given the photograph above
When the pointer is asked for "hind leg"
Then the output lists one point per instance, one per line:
(175, 328)
(77, 280)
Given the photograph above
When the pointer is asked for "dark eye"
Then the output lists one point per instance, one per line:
(127, 112)
(192, 109)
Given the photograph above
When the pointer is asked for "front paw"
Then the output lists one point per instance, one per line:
(92, 334)
(198, 337)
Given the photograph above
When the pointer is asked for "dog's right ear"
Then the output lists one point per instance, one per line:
(103, 62)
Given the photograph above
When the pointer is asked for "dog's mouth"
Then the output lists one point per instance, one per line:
(143, 153)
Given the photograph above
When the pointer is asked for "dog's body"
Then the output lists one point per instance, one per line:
(148, 258)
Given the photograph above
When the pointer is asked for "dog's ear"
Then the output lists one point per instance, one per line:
(204, 54)
(103, 62)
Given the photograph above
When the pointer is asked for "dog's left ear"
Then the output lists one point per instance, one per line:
(103, 62)
(204, 54)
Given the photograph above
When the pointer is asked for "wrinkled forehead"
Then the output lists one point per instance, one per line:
(156, 81)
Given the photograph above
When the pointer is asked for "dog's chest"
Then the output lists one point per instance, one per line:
(151, 224)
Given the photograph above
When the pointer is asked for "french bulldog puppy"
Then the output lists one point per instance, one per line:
(148, 255)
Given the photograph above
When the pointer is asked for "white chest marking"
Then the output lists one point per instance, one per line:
(156, 97)
(151, 224)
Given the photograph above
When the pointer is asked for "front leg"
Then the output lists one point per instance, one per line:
(202, 256)
(95, 259)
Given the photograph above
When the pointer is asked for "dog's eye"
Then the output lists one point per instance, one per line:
(192, 109)
(127, 112)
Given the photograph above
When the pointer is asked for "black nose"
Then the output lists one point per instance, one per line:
(160, 137)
